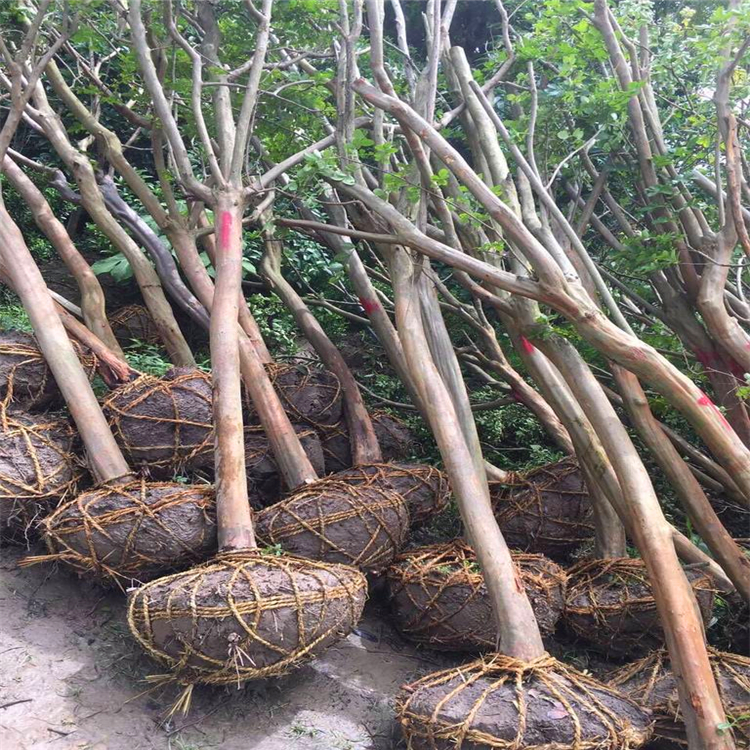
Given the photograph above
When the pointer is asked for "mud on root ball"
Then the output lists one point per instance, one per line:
(334, 521)
(546, 510)
(308, 394)
(133, 531)
(38, 469)
(505, 704)
(651, 682)
(163, 424)
(611, 607)
(25, 377)
(134, 323)
(245, 615)
(424, 488)
(439, 598)
(395, 438)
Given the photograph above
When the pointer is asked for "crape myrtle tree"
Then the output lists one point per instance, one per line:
(574, 189)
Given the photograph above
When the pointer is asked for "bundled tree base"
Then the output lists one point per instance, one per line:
(309, 394)
(439, 598)
(502, 703)
(25, 378)
(134, 323)
(546, 511)
(163, 424)
(38, 469)
(134, 531)
(334, 521)
(396, 441)
(651, 682)
(611, 607)
(424, 488)
(244, 616)
(265, 483)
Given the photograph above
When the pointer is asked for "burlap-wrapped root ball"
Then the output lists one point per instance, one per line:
(651, 682)
(611, 607)
(134, 323)
(309, 394)
(25, 377)
(547, 510)
(333, 521)
(38, 469)
(244, 616)
(424, 488)
(163, 424)
(265, 483)
(439, 599)
(134, 531)
(396, 441)
(501, 703)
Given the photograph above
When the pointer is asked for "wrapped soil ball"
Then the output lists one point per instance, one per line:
(244, 616)
(133, 531)
(309, 394)
(265, 484)
(25, 378)
(652, 683)
(424, 488)
(334, 521)
(37, 469)
(611, 607)
(163, 424)
(501, 703)
(134, 323)
(439, 599)
(547, 510)
(395, 438)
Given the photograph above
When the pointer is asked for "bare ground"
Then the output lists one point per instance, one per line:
(71, 678)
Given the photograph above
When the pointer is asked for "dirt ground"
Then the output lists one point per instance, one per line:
(71, 678)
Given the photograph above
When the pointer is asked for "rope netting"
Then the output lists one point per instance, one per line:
(547, 510)
(651, 682)
(133, 531)
(25, 378)
(335, 521)
(424, 488)
(503, 703)
(38, 469)
(610, 605)
(244, 616)
(309, 394)
(439, 598)
(134, 323)
(163, 424)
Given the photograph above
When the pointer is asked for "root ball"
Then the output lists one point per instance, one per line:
(37, 469)
(333, 521)
(134, 531)
(439, 599)
(163, 424)
(424, 488)
(134, 323)
(546, 511)
(244, 616)
(611, 607)
(501, 703)
(25, 378)
(651, 682)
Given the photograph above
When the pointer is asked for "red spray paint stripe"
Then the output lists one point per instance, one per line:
(527, 346)
(704, 400)
(225, 228)
(368, 305)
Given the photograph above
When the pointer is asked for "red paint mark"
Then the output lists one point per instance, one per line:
(225, 228)
(527, 346)
(737, 370)
(705, 358)
(704, 400)
(514, 394)
(368, 305)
